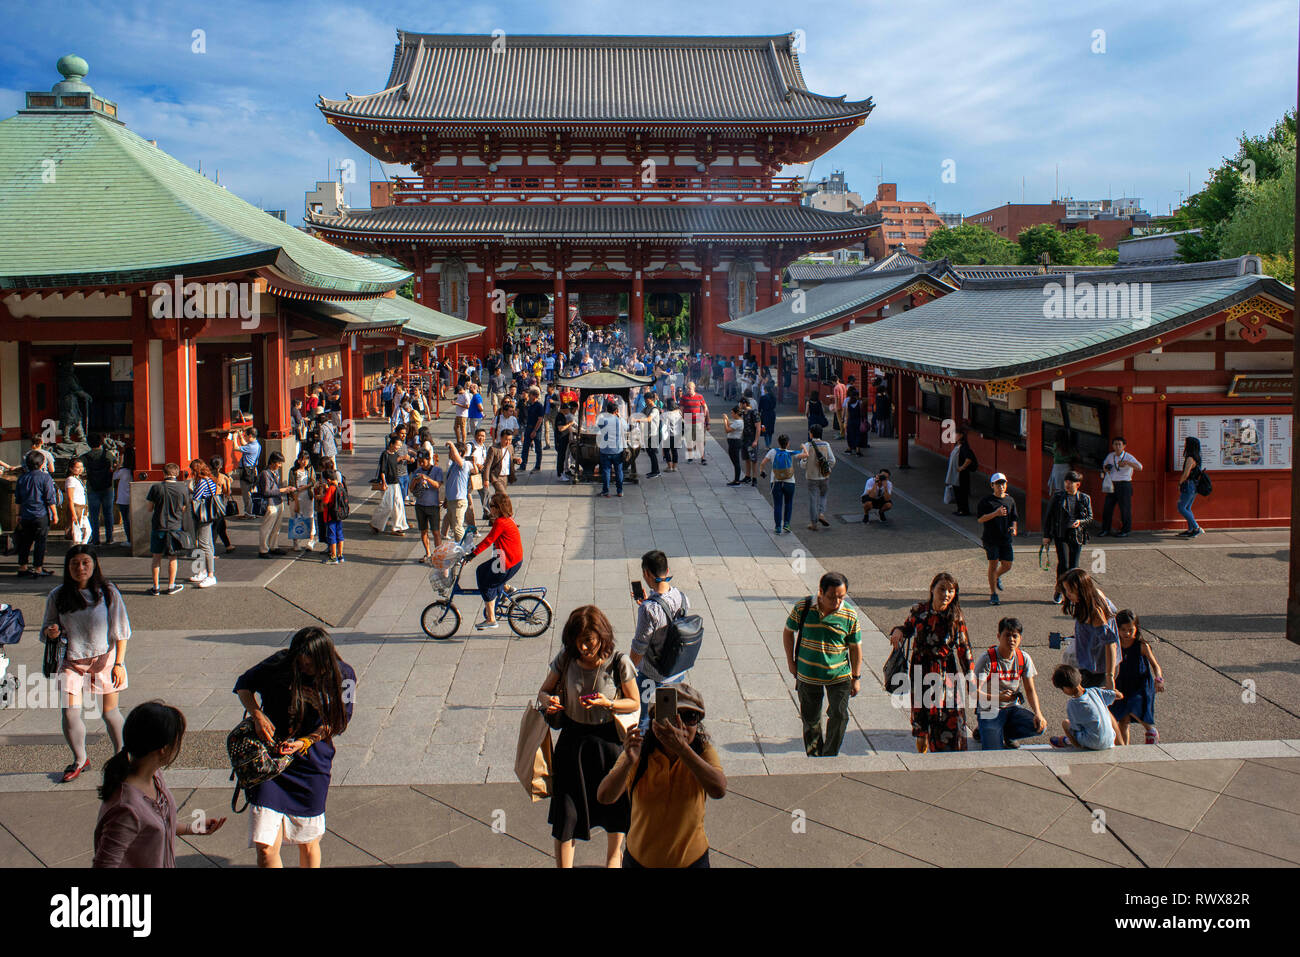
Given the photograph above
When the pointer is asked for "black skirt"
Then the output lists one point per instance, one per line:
(584, 754)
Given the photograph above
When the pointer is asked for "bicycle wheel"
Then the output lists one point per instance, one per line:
(528, 616)
(440, 620)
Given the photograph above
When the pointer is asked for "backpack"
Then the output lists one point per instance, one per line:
(783, 466)
(1203, 484)
(341, 507)
(99, 471)
(1016, 673)
(682, 643)
(823, 462)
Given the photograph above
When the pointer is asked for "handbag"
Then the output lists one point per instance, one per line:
(11, 624)
(53, 655)
(252, 760)
(533, 753)
(896, 664)
(299, 527)
(949, 495)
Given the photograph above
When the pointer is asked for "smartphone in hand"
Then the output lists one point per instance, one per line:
(638, 591)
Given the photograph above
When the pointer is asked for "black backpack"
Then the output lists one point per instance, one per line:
(682, 643)
(1203, 484)
(341, 507)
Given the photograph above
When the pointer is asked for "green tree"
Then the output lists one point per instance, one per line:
(1072, 247)
(1264, 221)
(1256, 161)
(407, 290)
(969, 244)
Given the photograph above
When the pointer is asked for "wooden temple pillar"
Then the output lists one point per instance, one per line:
(904, 417)
(560, 308)
(142, 377)
(349, 391)
(636, 310)
(273, 380)
(1033, 461)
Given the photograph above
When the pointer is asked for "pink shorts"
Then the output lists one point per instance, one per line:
(89, 675)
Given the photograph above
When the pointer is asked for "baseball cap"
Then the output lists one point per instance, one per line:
(997, 477)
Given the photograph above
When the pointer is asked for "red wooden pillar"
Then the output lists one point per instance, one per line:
(179, 443)
(636, 311)
(496, 321)
(349, 391)
(478, 312)
(800, 376)
(141, 414)
(1034, 461)
(560, 307)
(906, 389)
(707, 338)
(406, 365)
(274, 380)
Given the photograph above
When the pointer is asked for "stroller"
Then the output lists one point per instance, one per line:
(11, 630)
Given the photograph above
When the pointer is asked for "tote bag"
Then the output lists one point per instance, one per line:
(533, 754)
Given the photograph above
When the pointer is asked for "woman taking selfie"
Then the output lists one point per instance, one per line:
(669, 776)
(587, 685)
(306, 694)
(137, 822)
(87, 615)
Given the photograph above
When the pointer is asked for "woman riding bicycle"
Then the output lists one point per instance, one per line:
(508, 557)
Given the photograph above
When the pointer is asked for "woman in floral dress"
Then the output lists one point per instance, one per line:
(940, 667)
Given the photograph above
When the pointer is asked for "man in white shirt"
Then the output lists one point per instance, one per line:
(878, 493)
(611, 440)
(460, 424)
(818, 478)
(1117, 471)
(478, 451)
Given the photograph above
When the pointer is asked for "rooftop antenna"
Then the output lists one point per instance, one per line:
(1058, 183)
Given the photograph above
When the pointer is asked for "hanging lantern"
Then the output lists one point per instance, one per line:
(665, 305)
(531, 305)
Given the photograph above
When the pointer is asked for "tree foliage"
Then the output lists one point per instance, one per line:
(1072, 247)
(969, 245)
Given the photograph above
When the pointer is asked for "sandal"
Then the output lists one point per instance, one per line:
(72, 772)
(1060, 741)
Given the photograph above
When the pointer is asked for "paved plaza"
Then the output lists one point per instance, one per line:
(424, 773)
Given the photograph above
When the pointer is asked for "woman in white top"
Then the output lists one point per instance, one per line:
(122, 483)
(303, 479)
(79, 523)
(734, 424)
(670, 433)
(86, 614)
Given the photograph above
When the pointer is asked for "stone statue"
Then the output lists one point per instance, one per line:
(71, 395)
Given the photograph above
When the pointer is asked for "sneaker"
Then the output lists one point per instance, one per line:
(1010, 745)
(1000, 583)
(488, 625)
(1121, 534)
(883, 519)
(1153, 736)
(198, 578)
(620, 494)
(208, 582)
(155, 591)
(341, 560)
(822, 519)
(1184, 534)
(777, 530)
(812, 527)
(787, 528)
(704, 462)
(327, 560)
(994, 599)
(866, 519)
(1057, 599)
(1197, 534)
(732, 484)
(175, 590)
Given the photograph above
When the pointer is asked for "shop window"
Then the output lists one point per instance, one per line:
(997, 423)
(936, 400)
(1087, 421)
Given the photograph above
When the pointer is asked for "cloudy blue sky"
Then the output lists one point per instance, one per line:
(1007, 90)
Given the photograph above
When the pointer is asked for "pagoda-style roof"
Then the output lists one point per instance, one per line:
(392, 315)
(86, 202)
(832, 300)
(820, 272)
(567, 81)
(622, 222)
(999, 329)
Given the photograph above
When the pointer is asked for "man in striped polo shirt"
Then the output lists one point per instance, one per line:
(823, 650)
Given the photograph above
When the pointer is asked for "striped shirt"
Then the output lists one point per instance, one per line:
(822, 652)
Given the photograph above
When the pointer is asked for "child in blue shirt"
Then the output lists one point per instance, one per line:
(1089, 723)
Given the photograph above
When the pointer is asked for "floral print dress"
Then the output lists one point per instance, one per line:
(940, 713)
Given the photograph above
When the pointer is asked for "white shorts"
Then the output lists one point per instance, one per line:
(264, 827)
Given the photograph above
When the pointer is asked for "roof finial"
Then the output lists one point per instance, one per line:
(74, 70)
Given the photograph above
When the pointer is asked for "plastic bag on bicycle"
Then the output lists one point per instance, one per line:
(444, 559)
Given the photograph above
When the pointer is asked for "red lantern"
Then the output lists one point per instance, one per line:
(531, 305)
(666, 305)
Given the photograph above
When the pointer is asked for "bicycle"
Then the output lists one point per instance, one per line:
(525, 610)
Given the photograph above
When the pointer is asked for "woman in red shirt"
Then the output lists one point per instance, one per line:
(508, 557)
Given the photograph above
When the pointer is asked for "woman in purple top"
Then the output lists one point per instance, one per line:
(137, 821)
(306, 696)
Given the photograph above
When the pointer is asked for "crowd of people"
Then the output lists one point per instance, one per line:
(621, 763)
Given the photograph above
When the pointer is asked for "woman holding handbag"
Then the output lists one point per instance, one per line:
(587, 686)
(1065, 525)
(940, 672)
(207, 505)
(222, 478)
(301, 697)
(78, 516)
(87, 616)
(303, 479)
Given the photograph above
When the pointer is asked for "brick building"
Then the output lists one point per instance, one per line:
(1111, 220)
(906, 223)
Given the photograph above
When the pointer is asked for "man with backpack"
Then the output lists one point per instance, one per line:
(781, 461)
(823, 650)
(100, 464)
(818, 460)
(662, 607)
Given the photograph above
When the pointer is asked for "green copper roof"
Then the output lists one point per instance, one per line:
(84, 201)
(395, 315)
(999, 329)
(805, 309)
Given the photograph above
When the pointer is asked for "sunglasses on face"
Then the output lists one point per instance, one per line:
(690, 717)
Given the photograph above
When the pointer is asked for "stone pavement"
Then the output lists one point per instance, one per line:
(1052, 811)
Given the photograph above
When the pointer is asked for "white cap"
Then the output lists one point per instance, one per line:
(997, 477)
